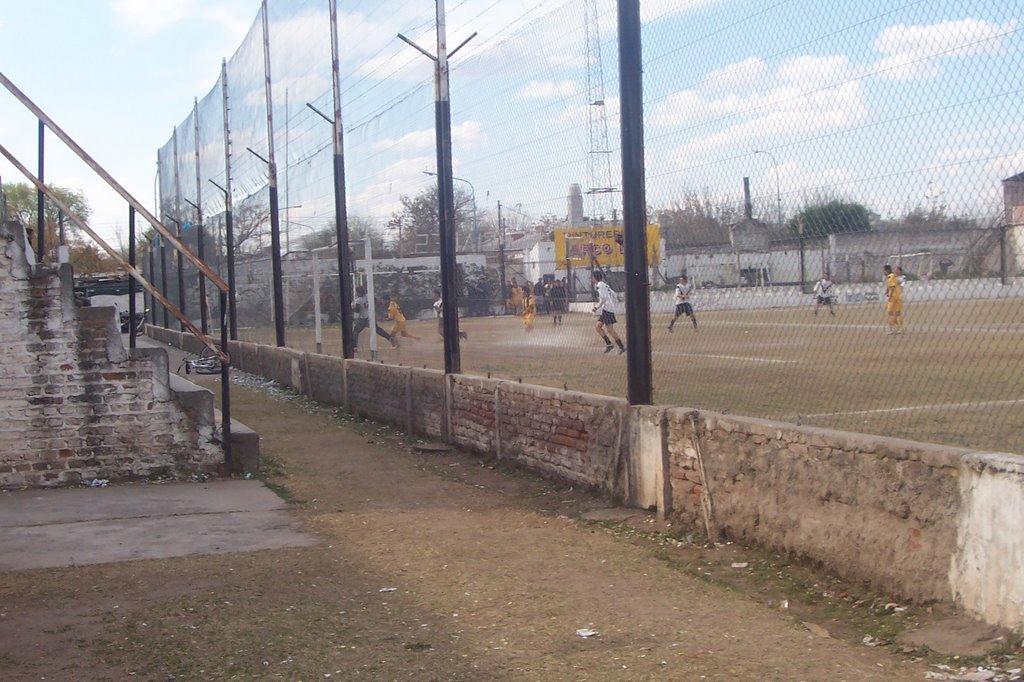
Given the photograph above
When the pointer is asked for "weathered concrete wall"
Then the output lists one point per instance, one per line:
(377, 391)
(985, 575)
(873, 509)
(925, 522)
(283, 365)
(325, 379)
(75, 405)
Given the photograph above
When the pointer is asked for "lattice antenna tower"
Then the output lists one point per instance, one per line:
(600, 190)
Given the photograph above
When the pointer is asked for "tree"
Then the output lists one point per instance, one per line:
(22, 205)
(696, 220)
(318, 239)
(358, 228)
(251, 226)
(414, 228)
(935, 218)
(361, 229)
(89, 259)
(832, 217)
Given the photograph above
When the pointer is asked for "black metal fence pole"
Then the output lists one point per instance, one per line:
(225, 388)
(131, 280)
(348, 341)
(634, 206)
(41, 200)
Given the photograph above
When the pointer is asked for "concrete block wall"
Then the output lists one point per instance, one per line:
(924, 522)
(75, 405)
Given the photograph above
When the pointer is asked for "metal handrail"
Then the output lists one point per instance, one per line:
(138, 276)
(96, 168)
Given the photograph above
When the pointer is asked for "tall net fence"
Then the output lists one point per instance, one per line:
(792, 151)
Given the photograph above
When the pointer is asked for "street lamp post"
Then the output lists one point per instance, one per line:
(472, 193)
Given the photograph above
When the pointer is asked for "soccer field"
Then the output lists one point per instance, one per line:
(956, 376)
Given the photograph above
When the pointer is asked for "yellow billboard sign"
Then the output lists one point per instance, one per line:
(576, 246)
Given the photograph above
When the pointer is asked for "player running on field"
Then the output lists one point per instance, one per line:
(605, 311)
(683, 307)
(361, 307)
(395, 313)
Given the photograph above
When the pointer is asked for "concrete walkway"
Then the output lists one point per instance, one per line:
(76, 526)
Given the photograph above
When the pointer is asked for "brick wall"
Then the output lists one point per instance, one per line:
(74, 404)
(575, 437)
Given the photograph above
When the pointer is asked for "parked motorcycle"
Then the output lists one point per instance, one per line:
(138, 326)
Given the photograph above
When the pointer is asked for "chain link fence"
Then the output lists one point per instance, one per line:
(784, 143)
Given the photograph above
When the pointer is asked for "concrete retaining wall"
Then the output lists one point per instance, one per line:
(925, 522)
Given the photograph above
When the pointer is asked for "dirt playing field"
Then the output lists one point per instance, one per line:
(434, 565)
(955, 377)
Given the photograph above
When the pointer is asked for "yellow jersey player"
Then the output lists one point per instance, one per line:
(529, 312)
(894, 300)
(395, 313)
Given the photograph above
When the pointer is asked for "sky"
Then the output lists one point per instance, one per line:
(892, 103)
(115, 75)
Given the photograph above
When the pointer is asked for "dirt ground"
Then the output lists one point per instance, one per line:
(435, 565)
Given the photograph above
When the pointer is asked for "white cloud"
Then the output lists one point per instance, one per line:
(379, 199)
(777, 114)
(661, 9)
(811, 71)
(547, 89)
(910, 52)
(150, 17)
(746, 102)
(468, 134)
(147, 17)
(739, 76)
